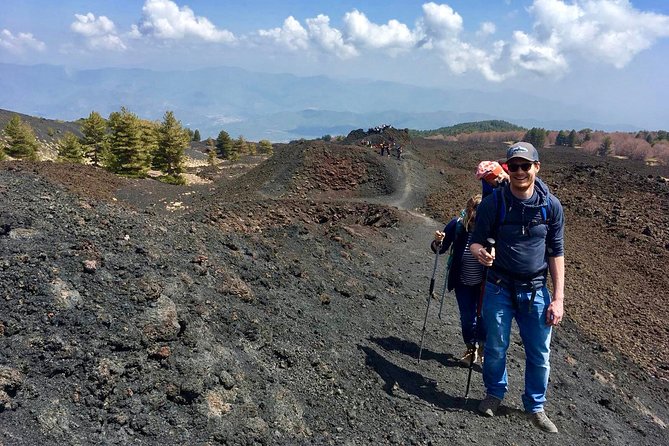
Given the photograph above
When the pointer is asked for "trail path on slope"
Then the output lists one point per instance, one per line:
(409, 187)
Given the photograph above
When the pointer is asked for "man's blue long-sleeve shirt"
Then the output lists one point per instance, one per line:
(523, 244)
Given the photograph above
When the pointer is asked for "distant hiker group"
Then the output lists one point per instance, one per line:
(378, 128)
(502, 247)
(385, 147)
(383, 141)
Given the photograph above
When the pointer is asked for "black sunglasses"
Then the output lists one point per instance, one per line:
(515, 166)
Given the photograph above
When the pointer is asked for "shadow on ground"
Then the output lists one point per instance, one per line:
(408, 348)
(398, 378)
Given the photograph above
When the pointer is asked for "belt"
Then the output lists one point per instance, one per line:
(511, 286)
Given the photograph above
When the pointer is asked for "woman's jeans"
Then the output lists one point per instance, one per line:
(467, 297)
(499, 308)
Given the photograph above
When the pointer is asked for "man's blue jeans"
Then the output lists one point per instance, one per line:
(499, 309)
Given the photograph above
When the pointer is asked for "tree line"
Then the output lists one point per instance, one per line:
(643, 145)
(489, 126)
(128, 145)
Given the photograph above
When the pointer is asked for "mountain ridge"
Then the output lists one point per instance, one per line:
(260, 103)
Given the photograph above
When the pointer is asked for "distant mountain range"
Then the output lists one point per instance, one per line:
(278, 107)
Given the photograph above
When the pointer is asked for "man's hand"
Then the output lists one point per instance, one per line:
(555, 312)
(483, 257)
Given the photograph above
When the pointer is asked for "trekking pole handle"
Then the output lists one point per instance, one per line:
(489, 244)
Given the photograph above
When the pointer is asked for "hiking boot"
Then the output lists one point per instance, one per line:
(541, 420)
(467, 357)
(489, 406)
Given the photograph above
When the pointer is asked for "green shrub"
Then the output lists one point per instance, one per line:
(176, 180)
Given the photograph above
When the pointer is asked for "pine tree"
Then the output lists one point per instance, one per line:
(536, 137)
(21, 140)
(649, 138)
(94, 129)
(606, 148)
(223, 144)
(13, 127)
(196, 135)
(571, 138)
(587, 134)
(70, 149)
(211, 152)
(240, 148)
(173, 140)
(265, 146)
(149, 137)
(128, 156)
(561, 139)
(251, 148)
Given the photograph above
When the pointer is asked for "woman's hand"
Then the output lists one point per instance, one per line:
(439, 236)
(503, 176)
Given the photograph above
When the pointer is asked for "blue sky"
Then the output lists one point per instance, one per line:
(609, 52)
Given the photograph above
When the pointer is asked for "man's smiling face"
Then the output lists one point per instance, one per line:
(522, 173)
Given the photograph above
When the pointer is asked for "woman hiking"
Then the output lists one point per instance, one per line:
(465, 275)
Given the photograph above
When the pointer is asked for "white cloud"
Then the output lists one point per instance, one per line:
(110, 42)
(89, 26)
(440, 31)
(328, 38)
(20, 42)
(531, 55)
(611, 31)
(134, 32)
(317, 35)
(292, 35)
(393, 35)
(486, 29)
(165, 20)
(462, 57)
(99, 33)
(441, 21)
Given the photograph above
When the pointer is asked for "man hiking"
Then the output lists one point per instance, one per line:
(527, 223)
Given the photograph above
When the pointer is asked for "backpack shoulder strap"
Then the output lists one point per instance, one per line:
(457, 231)
(549, 208)
(499, 199)
(459, 224)
(546, 209)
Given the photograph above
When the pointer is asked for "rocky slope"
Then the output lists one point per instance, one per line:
(285, 306)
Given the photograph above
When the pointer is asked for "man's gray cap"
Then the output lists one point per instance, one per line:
(523, 150)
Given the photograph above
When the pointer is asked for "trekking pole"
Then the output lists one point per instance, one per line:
(489, 245)
(443, 291)
(429, 298)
